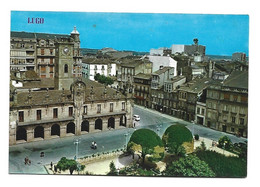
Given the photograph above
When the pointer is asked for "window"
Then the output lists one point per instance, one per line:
(43, 69)
(51, 51)
(235, 98)
(232, 129)
(99, 108)
(241, 120)
(244, 99)
(123, 106)
(42, 51)
(70, 111)
(39, 114)
(21, 116)
(85, 109)
(55, 113)
(198, 110)
(233, 119)
(203, 111)
(226, 96)
(66, 68)
(111, 107)
(51, 60)
(51, 69)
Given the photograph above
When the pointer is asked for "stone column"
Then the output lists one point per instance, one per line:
(63, 128)
(117, 122)
(47, 132)
(78, 127)
(91, 125)
(30, 135)
(104, 124)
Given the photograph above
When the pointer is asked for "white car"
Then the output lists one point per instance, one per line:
(136, 117)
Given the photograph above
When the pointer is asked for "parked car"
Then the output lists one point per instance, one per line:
(136, 117)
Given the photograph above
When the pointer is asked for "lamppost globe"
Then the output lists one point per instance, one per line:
(126, 134)
(76, 142)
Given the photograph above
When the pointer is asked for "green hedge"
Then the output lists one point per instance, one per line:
(177, 134)
(224, 166)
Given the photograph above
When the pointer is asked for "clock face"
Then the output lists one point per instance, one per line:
(66, 50)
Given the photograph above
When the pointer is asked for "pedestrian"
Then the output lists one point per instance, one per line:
(29, 162)
(51, 165)
(95, 145)
(55, 168)
(25, 160)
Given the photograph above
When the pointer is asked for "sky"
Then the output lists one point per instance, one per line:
(222, 34)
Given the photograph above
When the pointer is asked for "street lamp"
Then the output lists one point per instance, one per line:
(76, 142)
(193, 127)
(126, 134)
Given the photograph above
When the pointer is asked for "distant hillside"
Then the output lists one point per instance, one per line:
(85, 51)
(138, 53)
(88, 51)
(219, 57)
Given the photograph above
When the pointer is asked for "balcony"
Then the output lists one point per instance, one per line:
(36, 122)
(103, 114)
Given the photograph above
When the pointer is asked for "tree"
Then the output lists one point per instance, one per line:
(190, 166)
(65, 164)
(147, 139)
(113, 170)
(224, 142)
(176, 149)
(174, 137)
(103, 79)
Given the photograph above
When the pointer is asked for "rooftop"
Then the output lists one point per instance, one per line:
(35, 35)
(143, 76)
(197, 85)
(163, 70)
(65, 96)
(237, 79)
(176, 79)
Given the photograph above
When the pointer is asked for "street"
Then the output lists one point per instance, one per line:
(106, 142)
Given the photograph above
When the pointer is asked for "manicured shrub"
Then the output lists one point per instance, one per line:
(177, 134)
(146, 138)
(145, 141)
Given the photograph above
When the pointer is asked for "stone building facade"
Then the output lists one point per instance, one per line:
(127, 68)
(227, 105)
(142, 89)
(86, 108)
(37, 51)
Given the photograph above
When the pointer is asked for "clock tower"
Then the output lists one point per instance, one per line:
(63, 77)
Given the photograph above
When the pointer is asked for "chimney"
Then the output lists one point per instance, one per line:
(92, 93)
(63, 95)
(105, 92)
(29, 97)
